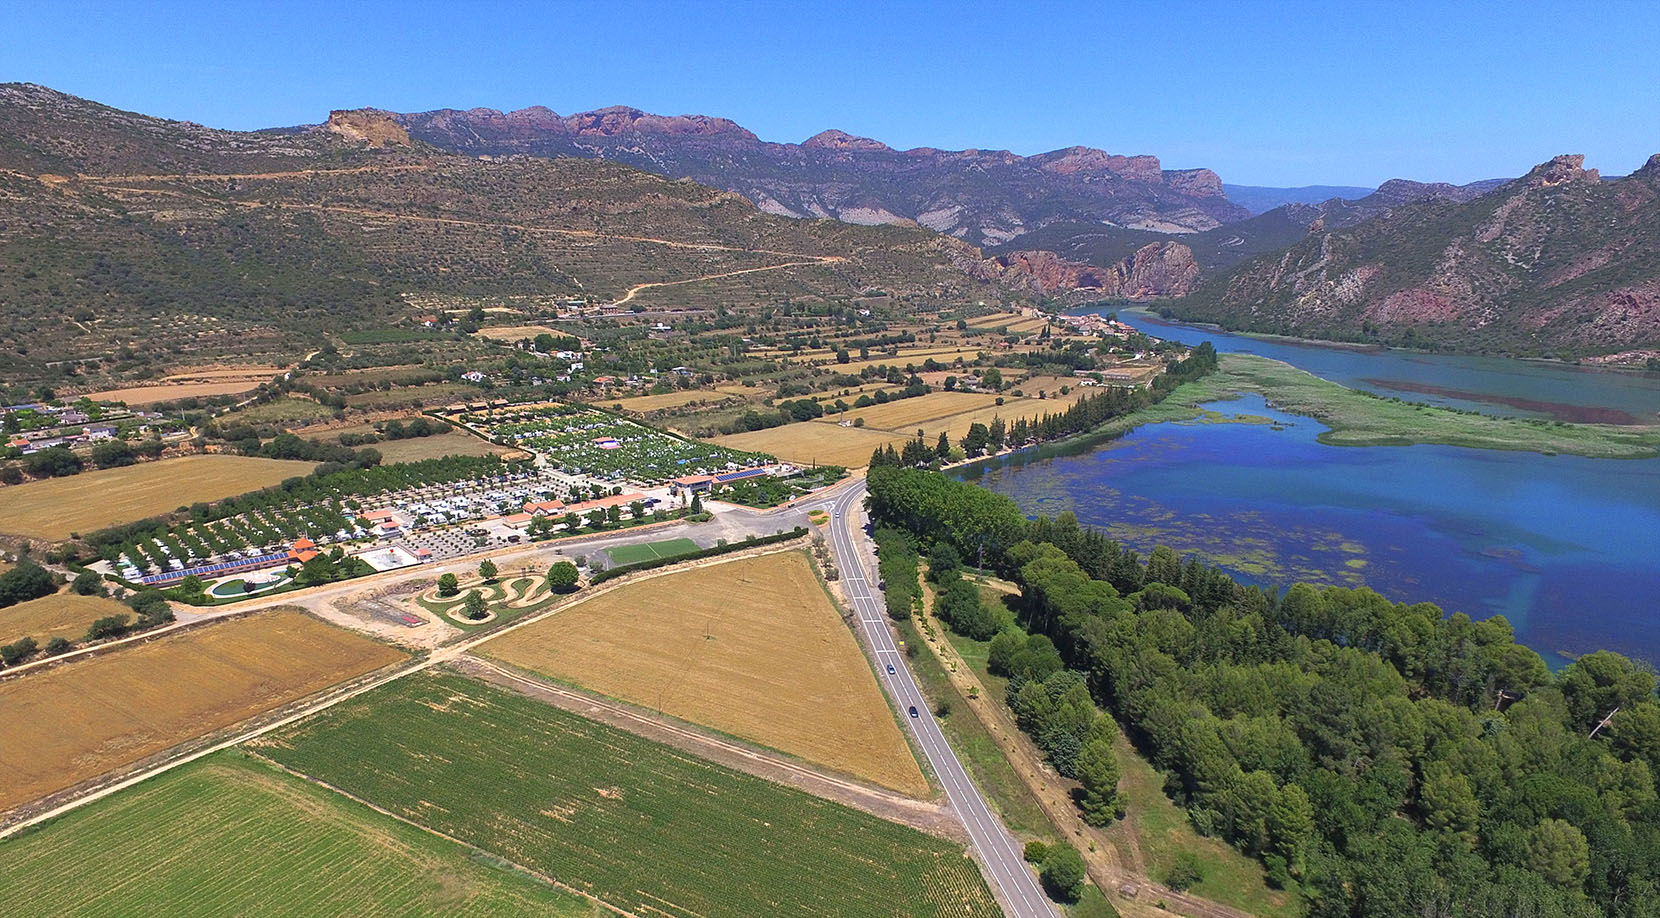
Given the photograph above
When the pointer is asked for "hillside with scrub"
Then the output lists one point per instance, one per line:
(128, 237)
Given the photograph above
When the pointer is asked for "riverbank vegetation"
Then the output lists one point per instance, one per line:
(1359, 418)
(1376, 758)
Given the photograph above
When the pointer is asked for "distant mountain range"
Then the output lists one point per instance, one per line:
(982, 196)
(125, 234)
(1557, 262)
(1258, 199)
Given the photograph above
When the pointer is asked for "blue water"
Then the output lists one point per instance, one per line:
(1566, 548)
(1563, 547)
(1495, 385)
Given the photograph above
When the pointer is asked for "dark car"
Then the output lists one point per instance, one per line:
(890, 669)
(913, 710)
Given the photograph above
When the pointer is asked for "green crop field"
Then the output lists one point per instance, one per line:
(638, 825)
(651, 551)
(231, 836)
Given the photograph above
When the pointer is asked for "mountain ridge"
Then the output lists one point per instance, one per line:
(1559, 262)
(981, 196)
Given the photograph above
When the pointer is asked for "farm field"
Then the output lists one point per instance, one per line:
(230, 835)
(56, 507)
(807, 442)
(642, 403)
(907, 414)
(64, 615)
(437, 394)
(640, 826)
(454, 443)
(752, 648)
(650, 551)
(72, 722)
(517, 332)
(197, 382)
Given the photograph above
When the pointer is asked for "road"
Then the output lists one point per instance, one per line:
(999, 854)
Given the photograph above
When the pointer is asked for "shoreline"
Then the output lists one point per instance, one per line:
(1574, 363)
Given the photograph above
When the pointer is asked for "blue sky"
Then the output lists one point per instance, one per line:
(1264, 93)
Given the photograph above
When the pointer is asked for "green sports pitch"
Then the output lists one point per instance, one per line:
(651, 551)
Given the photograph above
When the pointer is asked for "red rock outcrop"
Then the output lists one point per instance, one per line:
(1159, 269)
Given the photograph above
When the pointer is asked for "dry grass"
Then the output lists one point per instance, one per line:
(752, 647)
(907, 414)
(84, 718)
(517, 332)
(198, 382)
(64, 615)
(54, 508)
(809, 441)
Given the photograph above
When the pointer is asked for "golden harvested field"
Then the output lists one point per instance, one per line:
(941, 355)
(996, 320)
(807, 442)
(64, 615)
(1051, 387)
(75, 721)
(454, 443)
(56, 507)
(752, 647)
(907, 414)
(667, 400)
(517, 332)
(149, 395)
(200, 382)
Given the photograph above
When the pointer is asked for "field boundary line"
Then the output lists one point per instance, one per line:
(318, 782)
(125, 778)
(698, 735)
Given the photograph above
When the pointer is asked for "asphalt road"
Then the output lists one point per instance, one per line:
(999, 854)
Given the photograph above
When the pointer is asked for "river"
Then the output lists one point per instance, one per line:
(1564, 547)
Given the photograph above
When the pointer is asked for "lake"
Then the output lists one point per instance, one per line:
(1564, 547)
(1495, 385)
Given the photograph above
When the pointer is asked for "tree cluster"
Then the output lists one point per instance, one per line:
(1379, 758)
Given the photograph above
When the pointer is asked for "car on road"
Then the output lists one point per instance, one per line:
(913, 710)
(890, 669)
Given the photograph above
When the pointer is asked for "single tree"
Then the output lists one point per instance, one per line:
(1062, 872)
(562, 577)
(487, 570)
(448, 585)
(475, 605)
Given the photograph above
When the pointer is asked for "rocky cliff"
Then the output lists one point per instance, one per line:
(982, 196)
(1156, 270)
(1556, 262)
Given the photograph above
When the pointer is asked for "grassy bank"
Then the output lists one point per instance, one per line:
(1359, 418)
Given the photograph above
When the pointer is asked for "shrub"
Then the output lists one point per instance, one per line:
(1034, 852)
(56, 646)
(108, 626)
(17, 651)
(1062, 872)
(1184, 872)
